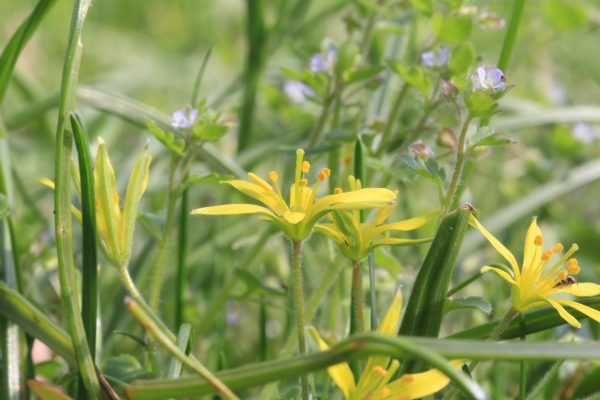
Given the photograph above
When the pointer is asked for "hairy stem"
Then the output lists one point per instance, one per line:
(299, 306)
(458, 168)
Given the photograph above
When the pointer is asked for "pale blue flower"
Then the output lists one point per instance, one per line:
(184, 118)
(437, 58)
(297, 91)
(489, 78)
(584, 133)
(323, 61)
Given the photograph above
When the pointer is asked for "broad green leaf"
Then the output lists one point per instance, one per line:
(168, 139)
(461, 59)
(423, 6)
(480, 104)
(452, 28)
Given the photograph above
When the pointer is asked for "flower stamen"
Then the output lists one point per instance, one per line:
(539, 240)
(558, 248)
(573, 266)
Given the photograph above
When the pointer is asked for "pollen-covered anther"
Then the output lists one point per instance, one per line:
(324, 174)
(116, 198)
(385, 392)
(562, 274)
(547, 255)
(273, 176)
(379, 370)
(573, 266)
(338, 190)
(305, 167)
(558, 248)
(539, 240)
(406, 378)
(303, 182)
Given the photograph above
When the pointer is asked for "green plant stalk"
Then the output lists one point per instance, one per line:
(458, 167)
(522, 364)
(183, 339)
(180, 275)
(172, 348)
(357, 321)
(511, 34)
(89, 277)
(257, 36)
(62, 204)
(328, 102)
(372, 292)
(391, 121)
(299, 307)
(537, 391)
(163, 251)
(464, 283)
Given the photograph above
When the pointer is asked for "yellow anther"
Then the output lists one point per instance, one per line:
(385, 392)
(539, 240)
(562, 274)
(303, 182)
(305, 167)
(573, 266)
(547, 255)
(379, 370)
(358, 185)
(324, 174)
(558, 247)
(406, 378)
(348, 160)
(273, 177)
(337, 190)
(116, 198)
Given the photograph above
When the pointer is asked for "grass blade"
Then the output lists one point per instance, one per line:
(17, 42)
(89, 263)
(511, 34)
(62, 204)
(183, 339)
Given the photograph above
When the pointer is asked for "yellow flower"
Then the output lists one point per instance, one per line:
(375, 382)
(538, 279)
(297, 218)
(355, 239)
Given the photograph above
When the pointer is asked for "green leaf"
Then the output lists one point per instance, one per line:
(461, 59)
(125, 367)
(210, 132)
(487, 136)
(566, 15)
(423, 6)
(480, 104)
(256, 285)
(4, 206)
(414, 76)
(452, 28)
(46, 392)
(168, 139)
(362, 74)
(385, 260)
(463, 303)
(425, 309)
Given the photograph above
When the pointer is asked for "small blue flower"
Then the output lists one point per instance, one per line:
(438, 58)
(297, 91)
(184, 118)
(489, 78)
(323, 61)
(584, 133)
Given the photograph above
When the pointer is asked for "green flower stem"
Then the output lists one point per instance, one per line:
(391, 121)
(180, 275)
(330, 99)
(511, 34)
(193, 364)
(373, 296)
(163, 251)
(299, 306)
(458, 168)
(358, 322)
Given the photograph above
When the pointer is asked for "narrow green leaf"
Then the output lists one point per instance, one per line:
(184, 337)
(21, 311)
(89, 263)
(62, 203)
(462, 303)
(510, 39)
(199, 77)
(17, 42)
(47, 392)
(425, 309)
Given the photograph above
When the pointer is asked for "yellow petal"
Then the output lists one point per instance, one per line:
(400, 242)
(564, 313)
(530, 248)
(340, 373)
(497, 245)
(414, 386)
(408, 224)
(382, 214)
(357, 199)
(268, 198)
(583, 289)
(232, 209)
(331, 231)
(259, 181)
(389, 324)
(293, 217)
(500, 272)
(589, 311)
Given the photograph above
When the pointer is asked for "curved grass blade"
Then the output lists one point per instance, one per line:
(511, 34)
(62, 203)
(89, 263)
(22, 312)
(17, 42)
(270, 371)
